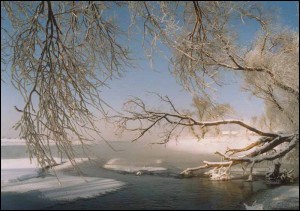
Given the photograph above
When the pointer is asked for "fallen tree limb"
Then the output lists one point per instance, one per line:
(252, 158)
(268, 147)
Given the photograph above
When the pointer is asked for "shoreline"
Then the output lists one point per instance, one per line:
(284, 197)
(148, 191)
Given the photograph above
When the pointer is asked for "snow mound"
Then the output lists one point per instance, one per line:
(118, 164)
(134, 168)
(280, 198)
(20, 175)
(66, 187)
(254, 206)
(13, 170)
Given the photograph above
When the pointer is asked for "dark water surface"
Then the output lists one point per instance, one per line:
(159, 191)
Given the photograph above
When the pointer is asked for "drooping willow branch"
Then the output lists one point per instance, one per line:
(63, 53)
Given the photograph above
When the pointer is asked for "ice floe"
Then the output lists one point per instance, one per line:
(121, 165)
(19, 175)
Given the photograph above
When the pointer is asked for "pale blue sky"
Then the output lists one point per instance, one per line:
(137, 81)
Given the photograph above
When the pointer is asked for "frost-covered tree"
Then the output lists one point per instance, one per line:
(64, 52)
(60, 55)
(205, 41)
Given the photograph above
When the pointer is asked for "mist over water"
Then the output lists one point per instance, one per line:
(161, 188)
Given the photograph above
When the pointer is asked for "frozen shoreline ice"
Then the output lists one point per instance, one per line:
(19, 175)
(118, 164)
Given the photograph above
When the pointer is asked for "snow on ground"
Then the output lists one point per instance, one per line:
(13, 170)
(22, 142)
(69, 188)
(280, 198)
(19, 175)
(119, 165)
(210, 145)
(133, 168)
(11, 142)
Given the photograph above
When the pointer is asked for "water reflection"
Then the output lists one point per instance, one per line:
(221, 194)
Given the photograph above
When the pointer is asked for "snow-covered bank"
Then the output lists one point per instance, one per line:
(22, 142)
(280, 198)
(13, 170)
(19, 175)
(69, 188)
(12, 142)
(210, 145)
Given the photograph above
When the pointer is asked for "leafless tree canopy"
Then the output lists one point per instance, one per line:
(205, 44)
(62, 53)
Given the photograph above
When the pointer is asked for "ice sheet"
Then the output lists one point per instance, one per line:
(67, 187)
(19, 175)
(121, 165)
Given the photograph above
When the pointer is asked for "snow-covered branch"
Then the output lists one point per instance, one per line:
(265, 148)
